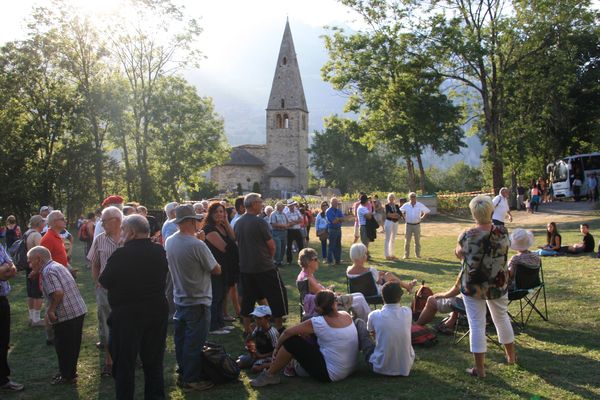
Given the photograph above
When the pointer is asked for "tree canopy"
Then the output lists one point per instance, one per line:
(93, 109)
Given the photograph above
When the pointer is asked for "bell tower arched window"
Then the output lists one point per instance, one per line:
(282, 103)
(286, 121)
(279, 121)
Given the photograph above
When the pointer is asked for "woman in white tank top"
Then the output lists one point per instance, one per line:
(331, 359)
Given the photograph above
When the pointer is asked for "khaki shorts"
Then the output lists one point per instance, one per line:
(448, 305)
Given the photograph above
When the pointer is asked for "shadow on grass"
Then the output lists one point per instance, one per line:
(565, 372)
(565, 337)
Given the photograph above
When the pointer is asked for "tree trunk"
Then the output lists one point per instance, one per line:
(513, 188)
(410, 168)
(128, 171)
(421, 172)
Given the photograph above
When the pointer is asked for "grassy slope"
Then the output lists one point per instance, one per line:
(557, 359)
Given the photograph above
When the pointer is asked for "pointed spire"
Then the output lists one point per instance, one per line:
(287, 91)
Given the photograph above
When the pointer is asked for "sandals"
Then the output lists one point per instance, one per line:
(473, 372)
(444, 329)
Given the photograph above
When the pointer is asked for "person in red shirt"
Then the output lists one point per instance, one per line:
(52, 239)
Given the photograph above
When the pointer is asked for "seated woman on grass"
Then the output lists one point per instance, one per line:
(309, 262)
(358, 255)
(331, 359)
(553, 241)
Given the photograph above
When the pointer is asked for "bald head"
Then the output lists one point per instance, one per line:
(41, 252)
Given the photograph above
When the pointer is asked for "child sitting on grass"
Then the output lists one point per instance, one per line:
(261, 342)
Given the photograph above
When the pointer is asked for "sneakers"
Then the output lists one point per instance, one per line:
(219, 332)
(265, 379)
(59, 380)
(198, 386)
(12, 386)
(37, 324)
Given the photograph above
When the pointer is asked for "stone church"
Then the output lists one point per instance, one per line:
(280, 166)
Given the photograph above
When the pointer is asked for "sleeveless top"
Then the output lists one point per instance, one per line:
(339, 347)
(228, 258)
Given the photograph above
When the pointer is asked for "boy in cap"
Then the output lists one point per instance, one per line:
(261, 342)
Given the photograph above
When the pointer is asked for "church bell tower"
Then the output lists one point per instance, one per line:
(287, 123)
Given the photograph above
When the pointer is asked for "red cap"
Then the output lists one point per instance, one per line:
(112, 200)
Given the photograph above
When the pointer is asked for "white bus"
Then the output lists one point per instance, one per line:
(563, 172)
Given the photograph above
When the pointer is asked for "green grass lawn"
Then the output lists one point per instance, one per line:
(559, 359)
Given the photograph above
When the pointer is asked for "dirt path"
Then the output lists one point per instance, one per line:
(558, 211)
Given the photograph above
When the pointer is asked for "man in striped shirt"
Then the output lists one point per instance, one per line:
(65, 311)
(102, 248)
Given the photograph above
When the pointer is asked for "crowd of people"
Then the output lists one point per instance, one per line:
(208, 256)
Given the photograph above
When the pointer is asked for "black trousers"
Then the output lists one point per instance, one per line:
(309, 356)
(67, 343)
(294, 235)
(4, 339)
(136, 331)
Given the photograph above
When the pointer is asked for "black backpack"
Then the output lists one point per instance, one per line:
(217, 365)
(18, 253)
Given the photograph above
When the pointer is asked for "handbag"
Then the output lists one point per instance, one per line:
(323, 234)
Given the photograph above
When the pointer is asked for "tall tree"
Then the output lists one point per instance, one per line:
(566, 77)
(343, 162)
(189, 137)
(43, 102)
(158, 43)
(398, 101)
(82, 54)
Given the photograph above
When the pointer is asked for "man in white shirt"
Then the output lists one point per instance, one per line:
(363, 213)
(501, 208)
(414, 212)
(393, 354)
(294, 233)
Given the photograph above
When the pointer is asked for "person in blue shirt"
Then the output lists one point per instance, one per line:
(335, 217)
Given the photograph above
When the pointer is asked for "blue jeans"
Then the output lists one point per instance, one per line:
(546, 252)
(324, 248)
(280, 239)
(191, 329)
(335, 245)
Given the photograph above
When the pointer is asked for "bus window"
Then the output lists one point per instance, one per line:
(591, 163)
(561, 172)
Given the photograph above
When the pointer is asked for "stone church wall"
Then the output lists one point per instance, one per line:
(228, 176)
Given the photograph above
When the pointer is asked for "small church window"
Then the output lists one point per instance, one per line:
(304, 122)
(279, 121)
(286, 121)
(282, 103)
(284, 60)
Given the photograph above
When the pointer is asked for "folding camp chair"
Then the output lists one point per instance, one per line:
(529, 284)
(303, 291)
(366, 285)
(463, 323)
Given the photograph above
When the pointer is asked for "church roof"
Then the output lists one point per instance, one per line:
(241, 156)
(281, 172)
(287, 91)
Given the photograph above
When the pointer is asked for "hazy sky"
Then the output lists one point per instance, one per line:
(237, 35)
(240, 40)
